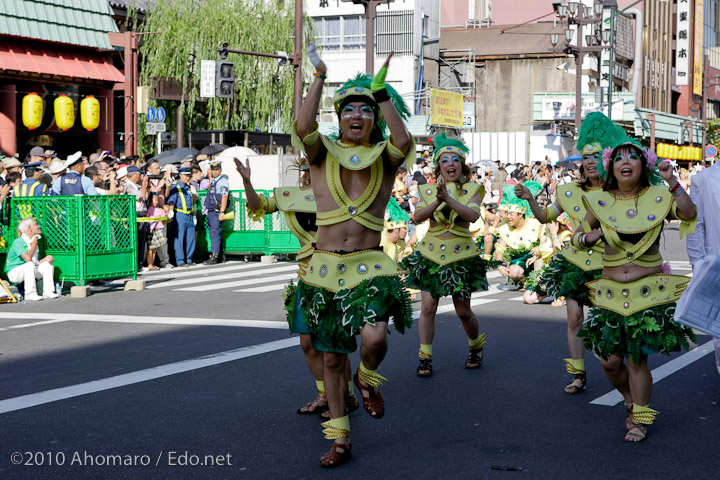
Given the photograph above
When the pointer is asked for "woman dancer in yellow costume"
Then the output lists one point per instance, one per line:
(567, 274)
(634, 300)
(447, 261)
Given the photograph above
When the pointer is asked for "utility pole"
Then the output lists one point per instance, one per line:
(370, 15)
(297, 59)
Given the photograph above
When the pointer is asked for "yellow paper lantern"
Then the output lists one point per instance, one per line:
(64, 112)
(32, 110)
(661, 150)
(90, 113)
(698, 153)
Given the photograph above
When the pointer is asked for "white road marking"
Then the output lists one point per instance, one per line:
(611, 399)
(55, 395)
(238, 283)
(185, 272)
(83, 317)
(215, 278)
(26, 325)
(269, 288)
(451, 308)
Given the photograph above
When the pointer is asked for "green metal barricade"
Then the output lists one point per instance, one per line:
(242, 234)
(91, 237)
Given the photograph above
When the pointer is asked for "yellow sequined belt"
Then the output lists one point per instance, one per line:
(590, 259)
(447, 250)
(631, 297)
(334, 271)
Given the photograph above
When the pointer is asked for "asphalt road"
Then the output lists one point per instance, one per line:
(180, 382)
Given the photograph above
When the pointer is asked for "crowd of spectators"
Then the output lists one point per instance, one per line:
(102, 173)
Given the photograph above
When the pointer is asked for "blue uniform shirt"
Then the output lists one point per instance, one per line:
(219, 186)
(87, 186)
(26, 189)
(176, 191)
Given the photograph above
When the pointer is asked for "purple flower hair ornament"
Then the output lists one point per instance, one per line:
(652, 158)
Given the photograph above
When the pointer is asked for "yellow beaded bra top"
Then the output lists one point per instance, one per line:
(353, 157)
(463, 193)
(642, 213)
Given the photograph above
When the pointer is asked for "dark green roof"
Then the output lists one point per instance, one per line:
(76, 22)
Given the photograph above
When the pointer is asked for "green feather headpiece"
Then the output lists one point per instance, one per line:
(358, 90)
(444, 144)
(597, 133)
(513, 203)
(395, 217)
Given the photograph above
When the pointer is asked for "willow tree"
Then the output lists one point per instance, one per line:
(192, 30)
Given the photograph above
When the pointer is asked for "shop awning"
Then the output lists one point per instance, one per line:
(56, 59)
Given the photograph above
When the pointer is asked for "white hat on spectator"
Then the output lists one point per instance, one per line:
(56, 166)
(11, 162)
(121, 172)
(170, 167)
(73, 159)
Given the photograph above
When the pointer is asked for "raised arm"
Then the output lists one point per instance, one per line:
(540, 213)
(306, 123)
(685, 206)
(399, 135)
(250, 193)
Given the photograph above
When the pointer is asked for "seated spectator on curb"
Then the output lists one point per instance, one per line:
(22, 264)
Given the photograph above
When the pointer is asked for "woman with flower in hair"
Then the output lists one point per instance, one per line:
(634, 300)
(570, 270)
(447, 260)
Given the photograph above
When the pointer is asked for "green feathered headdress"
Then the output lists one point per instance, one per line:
(597, 133)
(395, 217)
(444, 144)
(358, 90)
(513, 203)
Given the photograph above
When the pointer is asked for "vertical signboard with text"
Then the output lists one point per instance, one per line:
(698, 49)
(682, 51)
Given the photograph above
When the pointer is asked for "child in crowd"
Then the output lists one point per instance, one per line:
(157, 229)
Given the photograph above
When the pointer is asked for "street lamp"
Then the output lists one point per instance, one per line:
(574, 17)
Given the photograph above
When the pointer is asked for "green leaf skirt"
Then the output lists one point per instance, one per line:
(535, 281)
(334, 319)
(297, 322)
(459, 278)
(650, 331)
(565, 279)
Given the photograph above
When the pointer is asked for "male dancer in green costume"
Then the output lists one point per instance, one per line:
(350, 286)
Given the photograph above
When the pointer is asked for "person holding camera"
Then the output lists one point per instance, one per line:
(23, 265)
(104, 181)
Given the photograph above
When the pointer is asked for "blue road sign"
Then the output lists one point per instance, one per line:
(160, 114)
(151, 114)
(710, 151)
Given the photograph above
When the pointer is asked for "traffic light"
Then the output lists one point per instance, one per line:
(224, 79)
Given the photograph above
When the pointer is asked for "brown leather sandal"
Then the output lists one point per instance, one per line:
(474, 359)
(636, 433)
(339, 454)
(314, 407)
(573, 389)
(374, 403)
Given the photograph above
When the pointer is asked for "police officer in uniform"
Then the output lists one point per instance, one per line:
(32, 187)
(74, 182)
(215, 204)
(181, 200)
